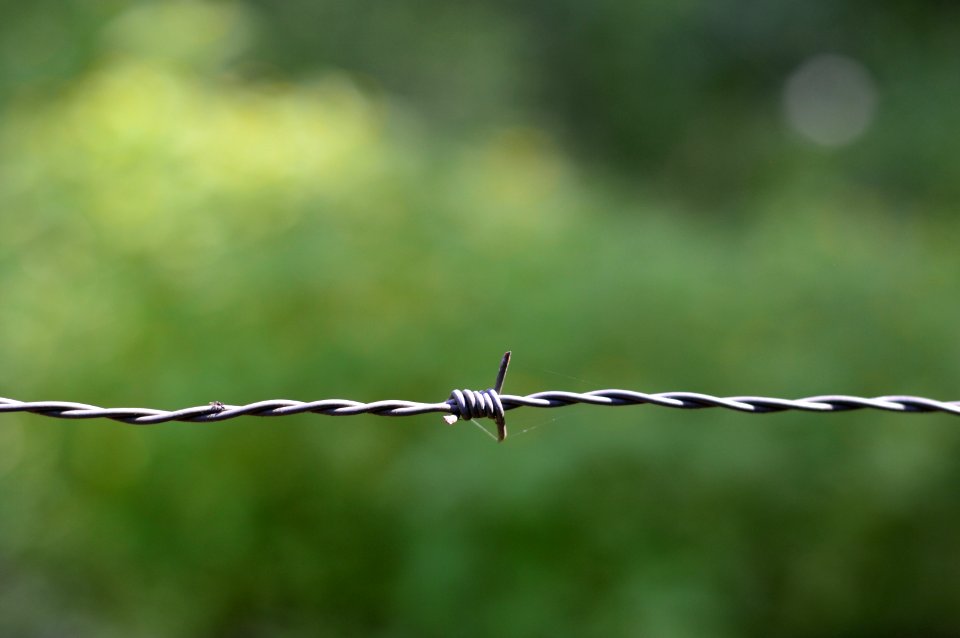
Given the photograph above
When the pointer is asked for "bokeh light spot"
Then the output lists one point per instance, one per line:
(830, 100)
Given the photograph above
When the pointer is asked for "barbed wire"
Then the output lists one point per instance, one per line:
(473, 404)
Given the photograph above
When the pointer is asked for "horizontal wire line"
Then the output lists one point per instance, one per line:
(217, 411)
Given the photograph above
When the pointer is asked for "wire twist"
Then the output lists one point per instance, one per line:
(471, 404)
(490, 403)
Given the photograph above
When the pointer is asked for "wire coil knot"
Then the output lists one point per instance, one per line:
(475, 404)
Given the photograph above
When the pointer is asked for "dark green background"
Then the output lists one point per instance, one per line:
(371, 200)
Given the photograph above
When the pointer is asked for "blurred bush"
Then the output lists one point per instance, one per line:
(232, 202)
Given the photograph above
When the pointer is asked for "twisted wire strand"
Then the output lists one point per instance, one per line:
(548, 399)
(471, 404)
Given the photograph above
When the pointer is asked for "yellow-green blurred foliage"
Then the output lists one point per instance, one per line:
(178, 227)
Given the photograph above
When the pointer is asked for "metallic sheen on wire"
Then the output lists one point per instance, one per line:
(468, 404)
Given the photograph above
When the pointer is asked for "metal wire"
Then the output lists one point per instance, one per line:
(471, 404)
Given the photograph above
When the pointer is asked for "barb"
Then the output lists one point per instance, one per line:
(471, 404)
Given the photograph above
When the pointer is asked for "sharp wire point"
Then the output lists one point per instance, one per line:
(501, 375)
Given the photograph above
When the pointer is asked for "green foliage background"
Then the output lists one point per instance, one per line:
(311, 200)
